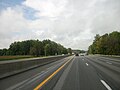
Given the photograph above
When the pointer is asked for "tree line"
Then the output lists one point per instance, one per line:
(35, 48)
(107, 44)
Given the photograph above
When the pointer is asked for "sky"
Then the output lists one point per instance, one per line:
(72, 23)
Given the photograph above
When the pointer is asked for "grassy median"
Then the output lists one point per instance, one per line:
(2, 58)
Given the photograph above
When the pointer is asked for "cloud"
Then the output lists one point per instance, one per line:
(12, 23)
(107, 17)
(47, 8)
(73, 23)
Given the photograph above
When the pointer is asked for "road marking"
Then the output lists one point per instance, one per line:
(87, 64)
(109, 62)
(47, 79)
(106, 85)
(61, 80)
(33, 78)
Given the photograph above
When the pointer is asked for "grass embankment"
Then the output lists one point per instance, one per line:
(2, 58)
(22, 57)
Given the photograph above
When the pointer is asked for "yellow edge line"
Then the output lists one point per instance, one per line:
(42, 83)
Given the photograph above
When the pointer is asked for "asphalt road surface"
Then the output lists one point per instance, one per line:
(71, 73)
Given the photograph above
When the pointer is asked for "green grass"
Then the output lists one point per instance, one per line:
(2, 58)
(16, 57)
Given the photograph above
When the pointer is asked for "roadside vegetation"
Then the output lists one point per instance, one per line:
(107, 44)
(34, 48)
(14, 57)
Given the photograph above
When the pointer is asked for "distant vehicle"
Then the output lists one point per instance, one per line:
(82, 55)
(77, 54)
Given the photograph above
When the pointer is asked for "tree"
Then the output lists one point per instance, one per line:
(69, 50)
(35, 48)
(47, 50)
(33, 51)
(108, 44)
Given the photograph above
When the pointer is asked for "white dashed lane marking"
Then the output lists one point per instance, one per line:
(87, 64)
(106, 85)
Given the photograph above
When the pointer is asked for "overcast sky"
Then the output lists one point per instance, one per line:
(72, 23)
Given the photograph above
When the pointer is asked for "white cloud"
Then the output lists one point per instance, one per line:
(8, 17)
(47, 8)
(12, 23)
(72, 23)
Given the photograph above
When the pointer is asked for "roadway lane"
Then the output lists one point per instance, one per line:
(108, 60)
(113, 61)
(81, 76)
(83, 73)
(29, 79)
(79, 73)
(108, 70)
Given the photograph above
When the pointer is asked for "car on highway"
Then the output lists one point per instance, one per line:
(77, 54)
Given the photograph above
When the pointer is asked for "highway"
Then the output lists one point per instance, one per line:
(71, 73)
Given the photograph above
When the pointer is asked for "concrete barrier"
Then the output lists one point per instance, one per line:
(15, 67)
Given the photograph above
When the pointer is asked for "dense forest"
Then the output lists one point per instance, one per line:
(107, 44)
(35, 48)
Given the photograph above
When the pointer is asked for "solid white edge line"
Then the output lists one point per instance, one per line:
(106, 85)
